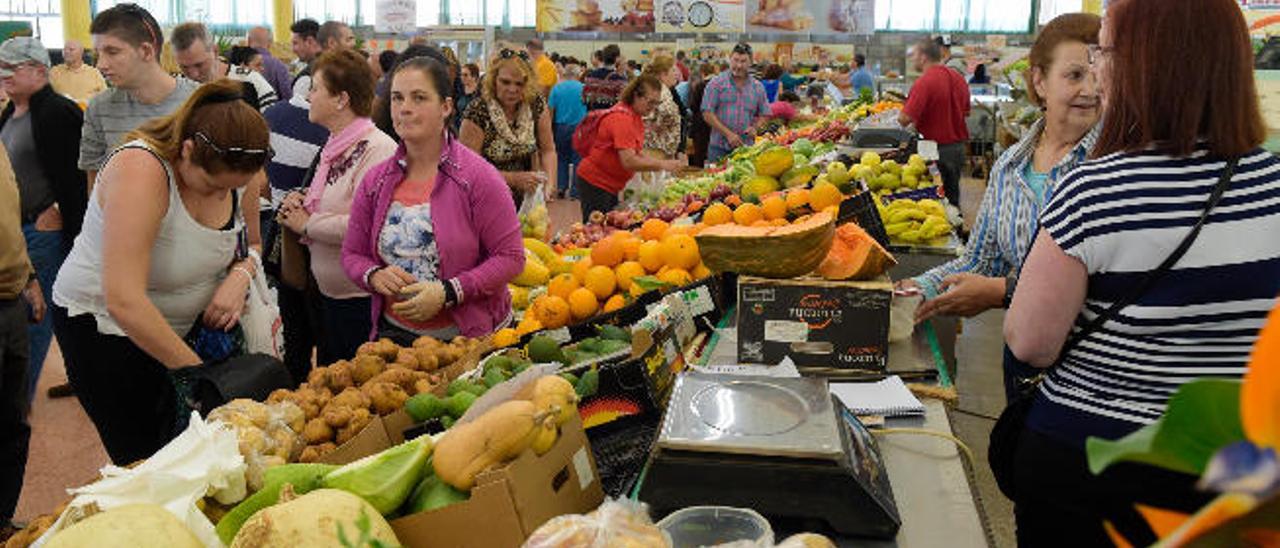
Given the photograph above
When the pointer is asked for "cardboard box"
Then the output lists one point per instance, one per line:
(508, 504)
(820, 324)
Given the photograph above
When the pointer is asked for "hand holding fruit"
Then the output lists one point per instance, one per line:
(964, 295)
(427, 298)
(389, 280)
(735, 140)
(525, 181)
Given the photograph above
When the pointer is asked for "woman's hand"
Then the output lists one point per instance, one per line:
(676, 164)
(389, 280)
(964, 295)
(295, 218)
(426, 299)
(292, 200)
(227, 305)
(524, 181)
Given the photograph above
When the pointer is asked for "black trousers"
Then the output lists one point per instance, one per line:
(15, 432)
(345, 325)
(301, 317)
(951, 165)
(1059, 502)
(127, 394)
(594, 198)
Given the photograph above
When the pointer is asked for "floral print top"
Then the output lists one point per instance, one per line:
(408, 240)
(508, 146)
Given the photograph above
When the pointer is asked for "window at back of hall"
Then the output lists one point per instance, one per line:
(954, 15)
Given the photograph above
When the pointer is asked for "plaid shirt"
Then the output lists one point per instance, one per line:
(1009, 218)
(736, 107)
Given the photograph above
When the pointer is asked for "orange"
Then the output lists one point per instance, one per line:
(631, 247)
(600, 280)
(583, 304)
(798, 198)
(701, 271)
(680, 251)
(747, 214)
(562, 285)
(553, 312)
(676, 229)
(580, 269)
(717, 214)
(676, 276)
(652, 229)
(651, 256)
(607, 252)
(824, 195)
(774, 207)
(637, 291)
(615, 302)
(625, 272)
(762, 222)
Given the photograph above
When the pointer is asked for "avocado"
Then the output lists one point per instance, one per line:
(458, 404)
(588, 384)
(544, 349)
(499, 362)
(424, 406)
(457, 385)
(494, 377)
(613, 332)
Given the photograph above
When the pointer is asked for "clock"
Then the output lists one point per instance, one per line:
(700, 14)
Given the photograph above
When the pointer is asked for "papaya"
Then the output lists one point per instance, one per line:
(798, 176)
(768, 251)
(545, 438)
(758, 186)
(774, 161)
(384, 480)
(493, 438)
(855, 255)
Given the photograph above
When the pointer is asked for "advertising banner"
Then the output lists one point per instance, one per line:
(701, 16)
(633, 16)
(811, 16)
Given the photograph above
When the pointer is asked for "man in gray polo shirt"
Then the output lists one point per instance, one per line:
(128, 41)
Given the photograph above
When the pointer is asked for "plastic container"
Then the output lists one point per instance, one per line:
(699, 526)
(902, 316)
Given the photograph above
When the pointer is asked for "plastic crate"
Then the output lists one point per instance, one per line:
(861, 209)
(621, 450)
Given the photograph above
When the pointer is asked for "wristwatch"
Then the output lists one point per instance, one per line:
(1010, 284)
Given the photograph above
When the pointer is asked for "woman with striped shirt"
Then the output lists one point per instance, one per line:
(1170, 132)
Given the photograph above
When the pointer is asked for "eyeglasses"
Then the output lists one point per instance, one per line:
(509, 53)
(1098, 53)
(236, 155)
(742, 49)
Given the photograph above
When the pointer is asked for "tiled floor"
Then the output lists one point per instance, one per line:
(65, 451)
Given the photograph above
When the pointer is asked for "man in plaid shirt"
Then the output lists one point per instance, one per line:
(734, 105)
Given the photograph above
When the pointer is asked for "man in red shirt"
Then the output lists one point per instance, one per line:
(937, 105)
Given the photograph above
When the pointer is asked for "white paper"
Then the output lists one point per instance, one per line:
(395, 16)
(889, 397)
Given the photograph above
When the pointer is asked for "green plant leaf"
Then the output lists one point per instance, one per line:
(1202, 417)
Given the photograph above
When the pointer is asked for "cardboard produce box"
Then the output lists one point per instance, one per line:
(509, 503)
(820, 324)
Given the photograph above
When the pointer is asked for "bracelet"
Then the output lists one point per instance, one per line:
(244, 271)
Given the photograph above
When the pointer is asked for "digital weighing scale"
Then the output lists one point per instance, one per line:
(779, 446)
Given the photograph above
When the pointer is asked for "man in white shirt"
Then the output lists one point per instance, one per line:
(193, 49)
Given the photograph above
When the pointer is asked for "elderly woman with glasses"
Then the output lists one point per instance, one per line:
(341, 101)
(510, 126)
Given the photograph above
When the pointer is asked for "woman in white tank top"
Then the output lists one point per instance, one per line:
(158, 252)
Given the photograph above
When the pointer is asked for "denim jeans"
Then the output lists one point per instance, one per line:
(566, 157)
(45, 250)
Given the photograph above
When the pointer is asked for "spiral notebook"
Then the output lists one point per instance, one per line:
(889, 397)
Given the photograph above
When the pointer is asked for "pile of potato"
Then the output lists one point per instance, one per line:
(338, 401)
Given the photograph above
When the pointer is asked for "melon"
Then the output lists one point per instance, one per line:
(768, 251)
(855, 255)
(758, 186)
(774, 161)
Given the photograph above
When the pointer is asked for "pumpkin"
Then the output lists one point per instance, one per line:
(768, 251)
(855, 255)
(774, 161)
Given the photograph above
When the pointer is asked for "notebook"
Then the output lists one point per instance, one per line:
(889, 398)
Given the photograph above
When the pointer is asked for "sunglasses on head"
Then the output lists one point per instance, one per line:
(237, 156)
(742, 49)
(509, 53)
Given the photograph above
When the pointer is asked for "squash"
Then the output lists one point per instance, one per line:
(774, 161)
(768, 251)
(319, 518)
(758, 186)
(551, 393)
(855, 255)
(133, 525)
(497, 436)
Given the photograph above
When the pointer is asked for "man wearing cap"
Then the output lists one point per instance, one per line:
(41, 131)
(73, 77)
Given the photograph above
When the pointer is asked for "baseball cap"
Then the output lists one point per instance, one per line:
(22, 49)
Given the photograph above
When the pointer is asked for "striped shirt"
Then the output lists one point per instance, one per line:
(1009, 217)
(1122, 215)
(113, 113)
(296, 142)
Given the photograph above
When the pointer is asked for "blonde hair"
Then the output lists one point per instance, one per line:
(489, 88)
(660, 65)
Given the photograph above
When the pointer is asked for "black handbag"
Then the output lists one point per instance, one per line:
(207, 387)
(1008, 428)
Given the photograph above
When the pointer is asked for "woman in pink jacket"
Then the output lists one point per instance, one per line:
(433, 234)
(341, 101)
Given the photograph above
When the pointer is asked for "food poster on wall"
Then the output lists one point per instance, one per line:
(709, 16)
(811, 16)
(634, 16)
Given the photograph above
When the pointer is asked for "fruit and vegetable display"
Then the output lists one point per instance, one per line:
(915, 221)
(340, 399)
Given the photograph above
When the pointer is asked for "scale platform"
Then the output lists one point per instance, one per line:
(776, 445)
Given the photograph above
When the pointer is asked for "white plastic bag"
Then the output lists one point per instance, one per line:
(204, 459)
(534, 222)
(618, 522)
(261, 322)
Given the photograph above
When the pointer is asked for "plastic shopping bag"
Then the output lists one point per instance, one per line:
(534, 222)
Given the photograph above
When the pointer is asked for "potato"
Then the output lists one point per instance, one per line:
(366, 367)
(423, 386)
(310, 453)
(360, 418)
(336, 416)
(425, 342)
(387, 397)
(353, 398)
(401, 377)
(407, 359)
(387, 349)
(278, 395)
(291, 415)
(317, 431)
(427, 360)
(339, 376)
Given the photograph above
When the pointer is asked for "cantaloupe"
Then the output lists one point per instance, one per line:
(855, 255)
(768, 251)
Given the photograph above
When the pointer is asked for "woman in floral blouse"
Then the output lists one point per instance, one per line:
(665, 127)
(509, 125)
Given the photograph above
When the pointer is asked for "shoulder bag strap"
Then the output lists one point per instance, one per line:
(1111, 312)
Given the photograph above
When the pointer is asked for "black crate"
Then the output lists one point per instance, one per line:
(861, 209)
(621, 449)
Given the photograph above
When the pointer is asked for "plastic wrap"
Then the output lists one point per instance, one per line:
(268, 434)
(616, 523)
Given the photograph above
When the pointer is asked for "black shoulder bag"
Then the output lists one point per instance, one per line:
(1008, 428)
